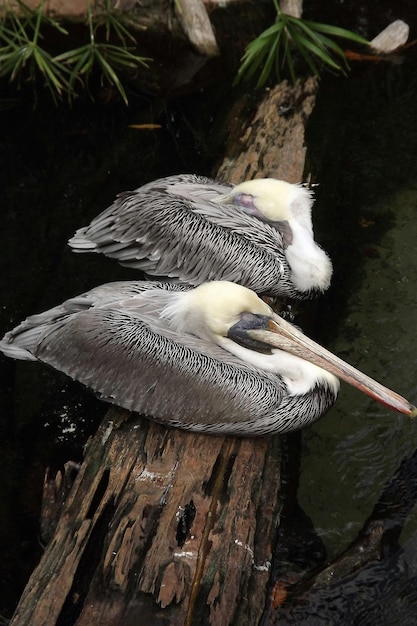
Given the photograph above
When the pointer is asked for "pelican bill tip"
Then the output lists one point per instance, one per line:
(413, 411)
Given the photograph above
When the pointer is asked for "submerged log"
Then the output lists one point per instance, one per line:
(163, 526)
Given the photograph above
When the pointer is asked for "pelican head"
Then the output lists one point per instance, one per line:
(275, 200)
(236, 319)
(287, 207)
(211, 309)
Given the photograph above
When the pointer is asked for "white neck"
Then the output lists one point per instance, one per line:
(299, 375)
(311, 267)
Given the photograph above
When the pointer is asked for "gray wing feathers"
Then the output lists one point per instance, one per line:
(22, 341)
(146, 372)
(113, 340)
(188, 185)
(191, 241)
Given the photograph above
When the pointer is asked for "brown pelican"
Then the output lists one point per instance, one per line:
(215, 358)
(193, 229)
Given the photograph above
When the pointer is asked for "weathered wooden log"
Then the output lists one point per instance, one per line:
(163, 526)
(271, 141)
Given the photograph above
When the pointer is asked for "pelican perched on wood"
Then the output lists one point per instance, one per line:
(213, 359)
(193, 229)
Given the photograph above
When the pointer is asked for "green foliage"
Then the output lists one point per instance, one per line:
(273, 50)
(23, 56)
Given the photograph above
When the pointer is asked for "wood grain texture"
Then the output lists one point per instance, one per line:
(271, 141)
(116, 556)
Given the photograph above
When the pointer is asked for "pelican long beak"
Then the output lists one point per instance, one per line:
(280, 334)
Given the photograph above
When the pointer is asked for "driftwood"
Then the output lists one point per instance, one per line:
(163, 526)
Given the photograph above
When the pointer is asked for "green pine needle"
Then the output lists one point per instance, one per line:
(23, 56)
(273, 50)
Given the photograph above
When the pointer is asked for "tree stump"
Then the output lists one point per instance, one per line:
(163, 526)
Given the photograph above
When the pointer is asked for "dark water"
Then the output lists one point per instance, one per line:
(364, 151)
(372, 124)
(60, 168)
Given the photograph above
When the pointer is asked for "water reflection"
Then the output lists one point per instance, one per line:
(373, 582)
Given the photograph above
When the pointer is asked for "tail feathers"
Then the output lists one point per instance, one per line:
(80, 243)
(20, 345)
(22, 342)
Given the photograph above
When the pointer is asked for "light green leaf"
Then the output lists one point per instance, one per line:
(336, 31)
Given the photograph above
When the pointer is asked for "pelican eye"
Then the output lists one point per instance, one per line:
(244, 200)
(250, 315)
(249, 321)
(246, 315)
